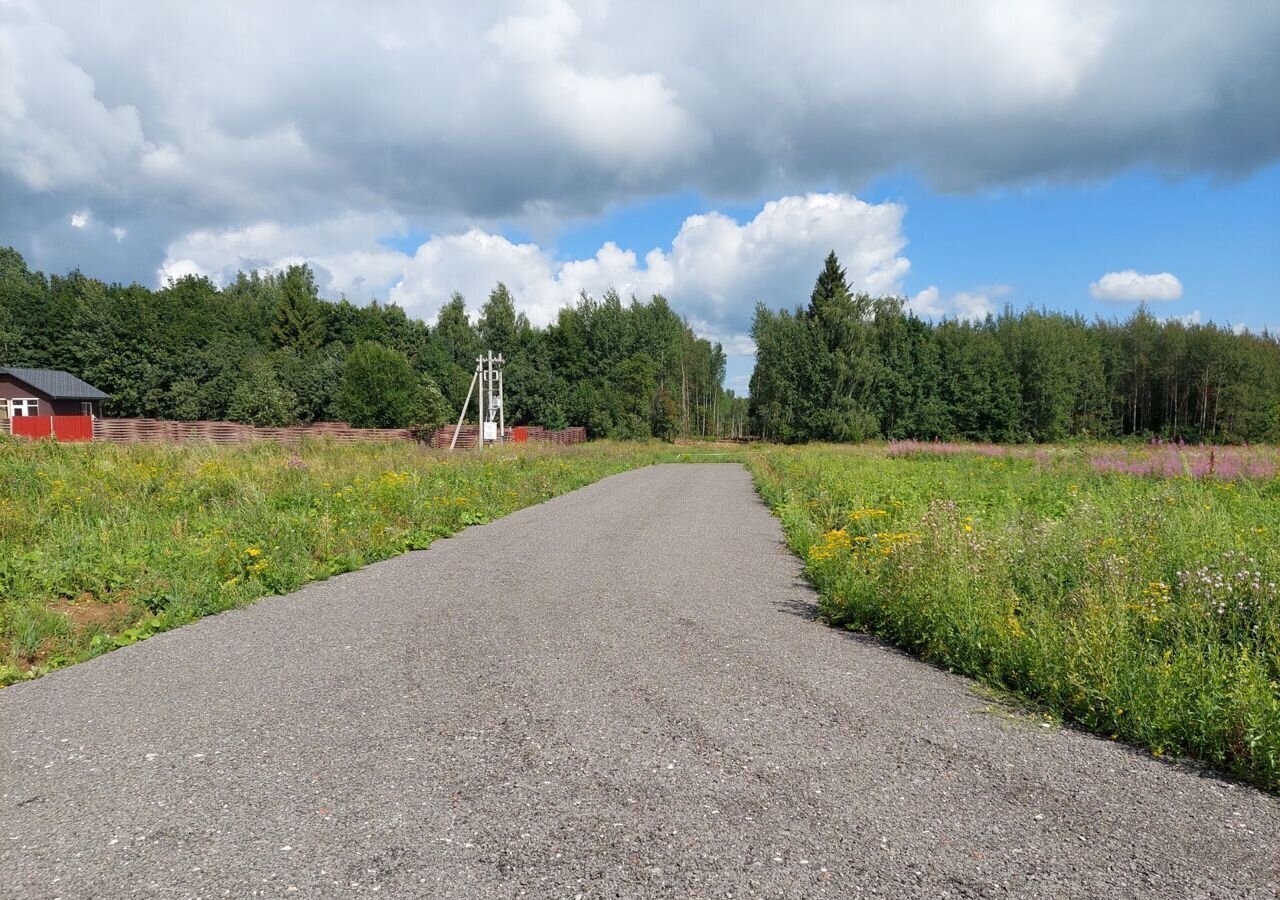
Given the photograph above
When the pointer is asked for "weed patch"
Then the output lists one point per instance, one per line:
(1142, 607)
(104, 545)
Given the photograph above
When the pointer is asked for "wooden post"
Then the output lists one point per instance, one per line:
(480, 399)
(454, 443)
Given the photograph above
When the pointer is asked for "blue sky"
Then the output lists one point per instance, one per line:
(1045, 245)
(1220, 237)
(1034, 152)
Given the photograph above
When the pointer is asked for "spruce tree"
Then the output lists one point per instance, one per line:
(500, 325)
(831, 291)
(298, 320)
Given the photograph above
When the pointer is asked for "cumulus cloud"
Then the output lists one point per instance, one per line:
(973, 306)
(1134, 287)
(1272, 329)
(714, 270)
(168, 119)
(55, 131)
(344, 252)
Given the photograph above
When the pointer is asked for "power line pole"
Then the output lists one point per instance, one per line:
(486, 382)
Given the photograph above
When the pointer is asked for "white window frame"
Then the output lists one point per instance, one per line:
(24, 406)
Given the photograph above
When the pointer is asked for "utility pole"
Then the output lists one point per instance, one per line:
(487, 385)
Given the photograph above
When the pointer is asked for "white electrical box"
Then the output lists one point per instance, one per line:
(490, 431)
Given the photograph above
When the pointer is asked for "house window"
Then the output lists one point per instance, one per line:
(24, 406)
(86, 408)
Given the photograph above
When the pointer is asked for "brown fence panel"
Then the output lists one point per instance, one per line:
(159, 430)
(148, 430)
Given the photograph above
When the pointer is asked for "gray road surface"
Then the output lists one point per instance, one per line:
(615, 694)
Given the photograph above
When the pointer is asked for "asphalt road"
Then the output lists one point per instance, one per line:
(619, 693)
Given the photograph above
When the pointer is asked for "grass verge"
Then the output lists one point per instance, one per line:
(103, 545)
(1142, 608)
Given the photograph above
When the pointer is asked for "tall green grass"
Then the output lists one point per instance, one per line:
(102, 545)
(1142, 608)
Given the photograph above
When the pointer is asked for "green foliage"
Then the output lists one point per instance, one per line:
(298, 321)
(185, 352)
(103, 545)
(260, 399)
(1144, 609)
(380, 390)
(501, 327)
(847, 367)
(433, 408)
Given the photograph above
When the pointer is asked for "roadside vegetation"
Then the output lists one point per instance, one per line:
(1129, 594)
(102, 545)
(1131, 590)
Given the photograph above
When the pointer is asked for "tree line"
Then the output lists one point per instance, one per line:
(266, 349)
(849, 367)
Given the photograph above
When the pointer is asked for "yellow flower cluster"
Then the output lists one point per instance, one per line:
(889, 541)
(881, 543)
(859, 514)
(833, 543)
(1155, 596)
(1014, 627)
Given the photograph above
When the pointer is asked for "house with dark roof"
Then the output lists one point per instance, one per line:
(47, 392)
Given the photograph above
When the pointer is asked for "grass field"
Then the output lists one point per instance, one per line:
(102, 545)
(1141, 606)
(1130, 590)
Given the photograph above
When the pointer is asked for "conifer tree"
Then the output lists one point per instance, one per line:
(298, 321)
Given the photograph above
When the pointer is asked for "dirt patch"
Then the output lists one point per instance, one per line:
(87, 611)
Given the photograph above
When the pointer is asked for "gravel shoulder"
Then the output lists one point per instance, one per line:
(617, 693)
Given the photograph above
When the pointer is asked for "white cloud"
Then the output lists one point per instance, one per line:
(81, 218)
(55, 132)
(170, 118)
(344, 252)
(1272, 328)
(630, 123)
(176, 269)
(713, 271)
(1191, 318)
(972, 306)
(927, 303)
(1133, 287)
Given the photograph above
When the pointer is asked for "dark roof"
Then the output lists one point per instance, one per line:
(58, 385)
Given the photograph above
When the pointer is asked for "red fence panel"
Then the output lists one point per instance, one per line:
(73, 429)
(32, 426)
